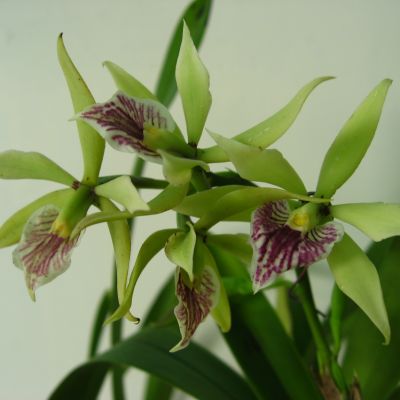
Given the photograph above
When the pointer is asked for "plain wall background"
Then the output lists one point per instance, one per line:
(258, 53)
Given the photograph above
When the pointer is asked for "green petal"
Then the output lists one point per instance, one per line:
(270, 130)
(121, 239)
(377, 220)
(352, 142)
(11, 230)
(16, 164)
(180, 249)
(91, 142)
(151, 246)
(127, 83)
(244, 199)
(260, 165)
(123, 192)
(237, 244)
(193, 85)
(222, 311)
(178, 170)
(356, 277)
(199, 203)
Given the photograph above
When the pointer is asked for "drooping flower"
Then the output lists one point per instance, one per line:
(43, 252)
(196, 300)
(123, 120)
(283, 239)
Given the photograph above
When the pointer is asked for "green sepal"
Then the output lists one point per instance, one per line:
(377, 220)
(16, 164)
(221, 313)
(159, 139)
(352, 142)
(121, 239)
(91, 142)
(241, 200)
(123, 192)
(270, 130)
(260, 165)
(169, 198)
(356, 276)
(199, 203)
(193, 84)
(151, 246)
(127, 83)
(180, 249)
(11, 230)
(178, 170)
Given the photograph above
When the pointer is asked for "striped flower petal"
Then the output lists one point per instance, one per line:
(278, 248)
(41, 254)
(123, 119)
(196, 300)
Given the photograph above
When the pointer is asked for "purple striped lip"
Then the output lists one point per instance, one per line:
(195, 302)
(41, 254)
(278, 248)
(122, 120)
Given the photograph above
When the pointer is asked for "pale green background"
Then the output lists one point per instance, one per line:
(259, 53)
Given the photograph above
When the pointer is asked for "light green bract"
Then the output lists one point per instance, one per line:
(193, 84)
(356, 276)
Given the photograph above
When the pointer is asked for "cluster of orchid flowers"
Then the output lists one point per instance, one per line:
(290, 228)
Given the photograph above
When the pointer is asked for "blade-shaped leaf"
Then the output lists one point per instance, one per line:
(151, 246)
(243, 199)
(195, 370)
(91, 142)
(261, 165)
(11, 230)
(377, 220)
(180, 250)
(352, 142)
(16, 164)
(193, 84)
(356, 276)
(270, 130)
(123, 192)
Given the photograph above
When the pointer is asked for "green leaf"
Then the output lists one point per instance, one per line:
(16, 164)
(193, 84)
(11, 230)
(199, 203)
(352, 142)
(127, 83)
(178, 170)
(243, 199)
(97, 329)
(261, 345)
(123, 192)
(356, 276)
(377, 220)
(151, 246)
(265, 166)
(157, 389)
(180, 249)
(270, 130)
(377, 367)
(195, 370)
(91, 142)
(121, 239)
(196, 18)
(237, 244)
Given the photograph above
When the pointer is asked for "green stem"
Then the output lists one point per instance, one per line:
(303, 290)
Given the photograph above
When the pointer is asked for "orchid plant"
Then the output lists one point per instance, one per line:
(289, 351)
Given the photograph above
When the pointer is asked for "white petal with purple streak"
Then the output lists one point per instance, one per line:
(195, 302)
(278, 248)
(122, 121)
(42, 255)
